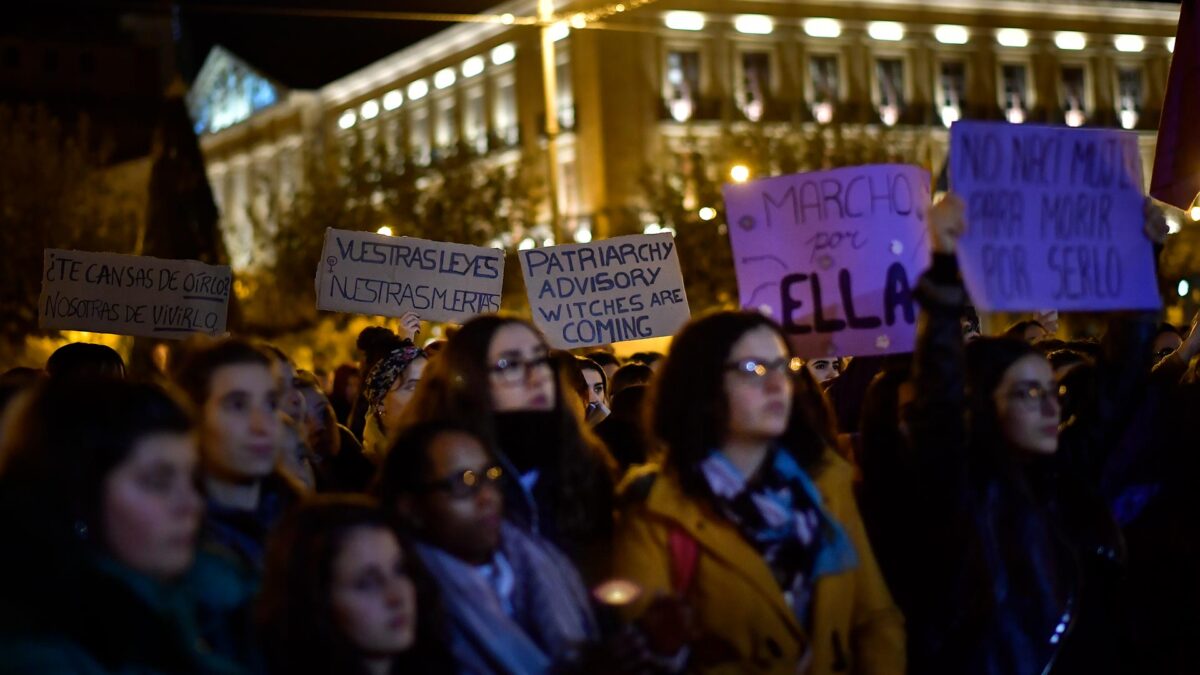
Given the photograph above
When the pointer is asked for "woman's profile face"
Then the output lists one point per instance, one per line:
(1027, 406)
(520, 373)
(759, 386)
(373, 599)
(151, 508)
(401, 393)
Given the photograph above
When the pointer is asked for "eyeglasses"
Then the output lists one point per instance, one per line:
(755, 370)
(516, 371)
(1031, 396)
(468, 483)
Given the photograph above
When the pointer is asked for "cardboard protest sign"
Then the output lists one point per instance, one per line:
(132, 295)
(1054, 218)
(626, 288)
(833, 256)
(369, 273)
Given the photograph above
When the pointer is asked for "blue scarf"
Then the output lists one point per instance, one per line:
(543, 622)
(779, 512)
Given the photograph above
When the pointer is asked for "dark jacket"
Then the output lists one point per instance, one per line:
(1019, 556)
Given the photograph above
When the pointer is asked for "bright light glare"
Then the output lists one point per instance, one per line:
(393, 99)
(347, 119)
(1012, 37)
(754, 24)
(370, 109)
(417, 90)
(822, 28)
(444, 78)
(583, 235)
(526, 244)
(951, 35)
(684, 20)
(1070, 40)
(887, 31)
(740, 173)
(503, 54)
(385, 231)
(707, 213)
(559, 31)
(472, 66)
(1129, 43)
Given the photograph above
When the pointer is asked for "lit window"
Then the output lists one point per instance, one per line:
(1012, 37)
(417, 90)
(1171, 45)
(756, 83)
(393, 99)
(370, 109)
(822, 28)
(559, 31)
(505, 110)
(347, 119)
(1014, 98)
(1129, 95)
(445, 129)
(566, 95)
(951, 91)
(419, 146)
(682, 84)
(684, 21)
(474, 120)
(889, 78)
(823, 71)
(1074, 95)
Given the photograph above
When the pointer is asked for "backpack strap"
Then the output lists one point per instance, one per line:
(685, 554)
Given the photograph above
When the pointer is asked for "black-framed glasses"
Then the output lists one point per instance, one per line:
(754, 369)
(1032, 395)
(468, 483)
(516, 371)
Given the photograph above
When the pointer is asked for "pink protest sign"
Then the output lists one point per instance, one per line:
(833, 256)
(1054, 218)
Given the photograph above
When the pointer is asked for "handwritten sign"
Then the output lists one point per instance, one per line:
(368, 273)
(626, 288)
(132, 295)
(834, 255)
(1054, 218)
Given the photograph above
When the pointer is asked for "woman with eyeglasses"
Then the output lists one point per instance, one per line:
(515, 604)
(750, 520)
(496, 375)
(1018, 557)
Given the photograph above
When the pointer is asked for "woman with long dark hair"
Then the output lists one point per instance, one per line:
(100, 513)
(341, 596)
(496, 376)
(750, 518)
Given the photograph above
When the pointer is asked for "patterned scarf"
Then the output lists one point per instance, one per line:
(779, 512)
(384, 374)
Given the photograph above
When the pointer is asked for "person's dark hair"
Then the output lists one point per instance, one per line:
(624, 431)
(327, 444)
(690, 410)
(604, 358)
(987, 360)
(407, 464)
(295, 613)
(569, 368)
(194, 374)
(1017, 330)
(375, 342)
(278, 354)
(972, 318)
(83, 359)
(456, 386)
(1166, 327)
(881, 441)
(646, 358)
(592, 365)
(1061, 358)
(1047, 345)
(342, 404)
(630, 375)
(1089, 347)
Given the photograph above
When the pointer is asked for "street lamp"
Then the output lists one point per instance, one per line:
(740, 173)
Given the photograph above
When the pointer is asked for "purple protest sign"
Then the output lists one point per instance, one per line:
(833, 256)
(1054, 218)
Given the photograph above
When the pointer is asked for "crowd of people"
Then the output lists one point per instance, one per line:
(1022, 504)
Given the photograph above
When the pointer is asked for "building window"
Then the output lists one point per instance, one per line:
(1129, 95)
(445, 127)
(1074, 95)
(504, 109)
(823, 72)
(565, 101)
(889, 89)
(475, 120)
(683, 84)
(755, 84)
(1014, 95)
(952, 91)
(418, 134)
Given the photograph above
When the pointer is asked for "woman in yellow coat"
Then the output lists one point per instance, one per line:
(749, 525)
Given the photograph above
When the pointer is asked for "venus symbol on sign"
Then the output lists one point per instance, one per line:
(331, 261)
